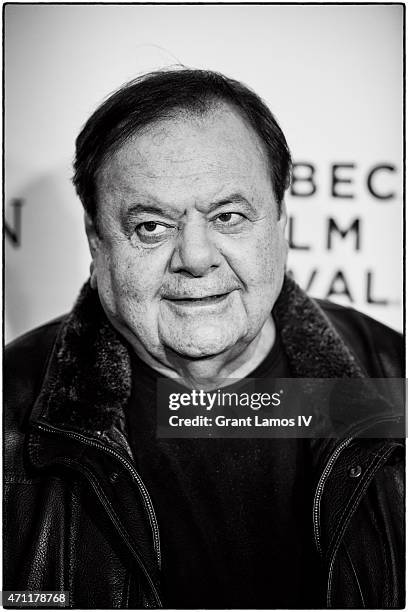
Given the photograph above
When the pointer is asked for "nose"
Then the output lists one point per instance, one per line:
(195, 252)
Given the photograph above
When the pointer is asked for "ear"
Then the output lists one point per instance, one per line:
(93, 242)
(282, 222)
(283, 217)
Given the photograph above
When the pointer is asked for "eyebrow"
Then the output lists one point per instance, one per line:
(151, 208)
(235, 198)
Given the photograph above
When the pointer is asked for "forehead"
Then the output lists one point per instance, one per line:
(189, 155)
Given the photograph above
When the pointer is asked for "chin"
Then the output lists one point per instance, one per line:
(202, 344)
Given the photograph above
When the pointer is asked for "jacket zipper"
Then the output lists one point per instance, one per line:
(319, 490)
(137, 479)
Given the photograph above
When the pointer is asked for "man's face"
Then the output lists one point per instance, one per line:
(191, 253)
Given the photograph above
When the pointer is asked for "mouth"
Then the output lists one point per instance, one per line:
(198, 301)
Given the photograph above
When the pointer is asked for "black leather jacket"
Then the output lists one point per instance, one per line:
(77, 516)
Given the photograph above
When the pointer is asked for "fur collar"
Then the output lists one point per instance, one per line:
(89, 377)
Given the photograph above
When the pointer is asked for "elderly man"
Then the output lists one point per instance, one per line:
(182, 175)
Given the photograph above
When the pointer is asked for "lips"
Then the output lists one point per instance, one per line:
(195, 298)
(201, 300)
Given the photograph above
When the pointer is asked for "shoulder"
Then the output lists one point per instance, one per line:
(35, 335)
(378, 348)
(25, 362)
(25, 356)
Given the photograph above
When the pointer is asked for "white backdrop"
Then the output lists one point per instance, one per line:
(332, 76)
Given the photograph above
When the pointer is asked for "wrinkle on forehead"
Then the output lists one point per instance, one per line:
(178, 141)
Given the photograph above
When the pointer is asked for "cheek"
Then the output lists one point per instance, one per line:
(260, 263)
(127, 280)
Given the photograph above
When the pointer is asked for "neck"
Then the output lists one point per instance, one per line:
(214, 371)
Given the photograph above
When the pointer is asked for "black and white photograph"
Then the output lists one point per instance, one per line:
(204, 371)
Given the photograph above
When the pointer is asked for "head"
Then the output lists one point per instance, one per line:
(182, 177)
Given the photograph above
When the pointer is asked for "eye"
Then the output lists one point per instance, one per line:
(225, 217)
(150, 231)
(229, 219)
(150, 227)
